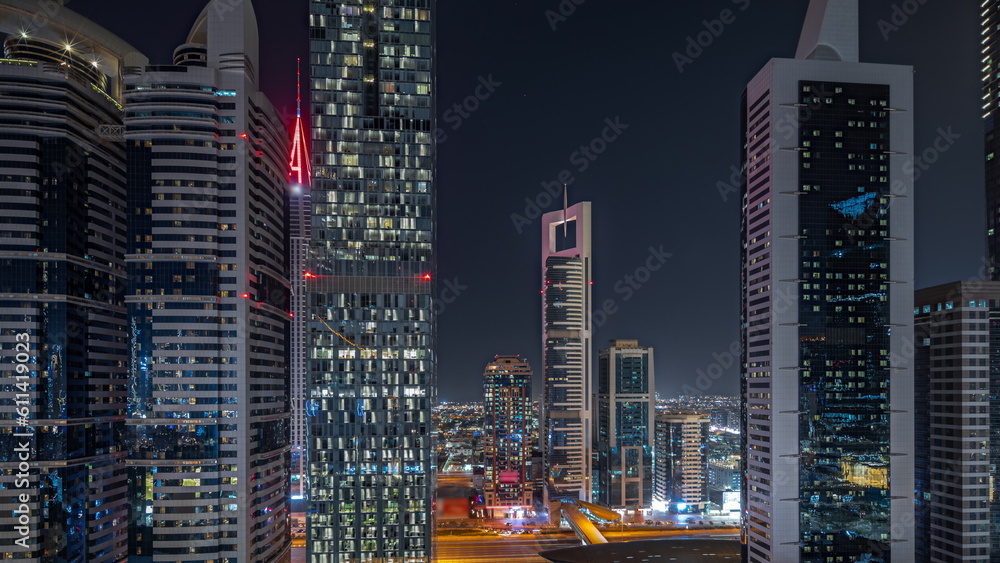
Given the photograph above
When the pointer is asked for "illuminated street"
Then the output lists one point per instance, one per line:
(472, 549)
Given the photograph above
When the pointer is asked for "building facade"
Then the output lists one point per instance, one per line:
(681, 461)
(507, 434)
(626, 406)
(567, 425)
(63, 481)
(990, 59)
(957, 329)
(370, 338)
(827, 273)
(208, 411)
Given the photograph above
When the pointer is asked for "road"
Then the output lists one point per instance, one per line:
(524, 549)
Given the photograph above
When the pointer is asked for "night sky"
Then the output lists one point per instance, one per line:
(656, 185)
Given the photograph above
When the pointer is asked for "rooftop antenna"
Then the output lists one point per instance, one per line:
(299, 166)
(565, 208)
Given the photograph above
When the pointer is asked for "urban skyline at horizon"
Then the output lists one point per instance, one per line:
(706, 224)
(225, 326)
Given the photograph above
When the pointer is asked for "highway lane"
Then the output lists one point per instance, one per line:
(525, 548)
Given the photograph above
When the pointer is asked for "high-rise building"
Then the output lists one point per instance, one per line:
(63, 481)
(681, 461)
(507, 434)
(827, 295)
(990, 55)
(299, 212)
(567, 431)
(208, 412)
(958, 348)
(370, 339)
(626, 405)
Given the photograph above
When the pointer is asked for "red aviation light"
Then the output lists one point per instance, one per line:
(245, 296)
(309, 275)
(426, 277)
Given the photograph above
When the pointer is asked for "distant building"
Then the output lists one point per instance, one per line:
(507, 433)
(625, 410)
(827, 291)
(681, 458)
(957, 329)
(63, 287)
(725, 475)
(566, 345)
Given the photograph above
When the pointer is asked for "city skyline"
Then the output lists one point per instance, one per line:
(950, 92)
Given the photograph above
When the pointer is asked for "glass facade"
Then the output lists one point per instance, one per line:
(625, 410)
(844, 313)
(370, 334)
(62, 295)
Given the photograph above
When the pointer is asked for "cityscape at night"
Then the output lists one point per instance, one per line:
(408, 281)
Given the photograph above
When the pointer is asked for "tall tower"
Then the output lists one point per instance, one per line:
(370, 338)
(827, 299)
(299, 212)
(62, 288)
(991, 105)
(507, 434)
(208, 305)
(566, 351)
(626, 405)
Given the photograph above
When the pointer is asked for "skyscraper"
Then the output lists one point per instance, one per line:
(566, 351)
(299, 212)
(62, 291)
(626, 405)
(681, 458)
(371, 367)
(958, 427)
(507, 434)
(208, 301)
(990, 10)
(827, 297)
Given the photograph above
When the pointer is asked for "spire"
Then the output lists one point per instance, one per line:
(830, 32)
(298, 164)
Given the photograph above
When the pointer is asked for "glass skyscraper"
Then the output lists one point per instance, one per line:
(626, 405)
(566, 422)
(208, 416)
(827, 300)
(370, 338)
(63, 479)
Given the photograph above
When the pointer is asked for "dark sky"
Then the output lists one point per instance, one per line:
(655, 185)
